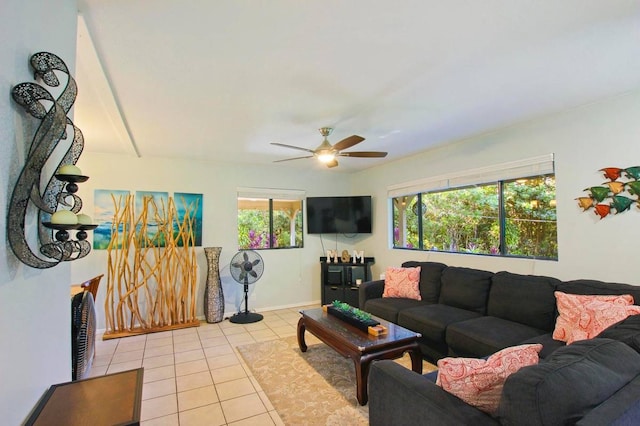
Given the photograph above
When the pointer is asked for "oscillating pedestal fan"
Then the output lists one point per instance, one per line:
(246, 268)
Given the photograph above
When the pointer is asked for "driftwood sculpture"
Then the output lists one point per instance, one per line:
(152, 269)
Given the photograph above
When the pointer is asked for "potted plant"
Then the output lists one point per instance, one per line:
(354, 316)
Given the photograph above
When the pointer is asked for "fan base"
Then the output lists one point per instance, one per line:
(245, 318)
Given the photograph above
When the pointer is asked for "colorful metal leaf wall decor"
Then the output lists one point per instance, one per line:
(614, 196)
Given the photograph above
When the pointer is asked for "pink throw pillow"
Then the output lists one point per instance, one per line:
(585, 316)
(402, 282)
(479, 382)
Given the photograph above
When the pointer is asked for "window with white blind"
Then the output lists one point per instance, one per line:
(503, 210)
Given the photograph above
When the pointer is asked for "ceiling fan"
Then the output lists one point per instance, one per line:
(327, 153)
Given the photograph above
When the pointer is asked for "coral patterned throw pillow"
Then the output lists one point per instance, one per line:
(402, 282)
(479, 382)
(585, 316)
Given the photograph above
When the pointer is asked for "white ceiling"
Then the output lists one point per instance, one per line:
(220, 80)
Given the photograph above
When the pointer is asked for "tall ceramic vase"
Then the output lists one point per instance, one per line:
(213, 296)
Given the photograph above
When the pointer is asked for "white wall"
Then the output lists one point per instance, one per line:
(35, 319)
(291, 276)
(584, 140)
(34, 304)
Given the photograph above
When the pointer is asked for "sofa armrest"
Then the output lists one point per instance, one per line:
(623, 408)
(399, 396)
(370, 290)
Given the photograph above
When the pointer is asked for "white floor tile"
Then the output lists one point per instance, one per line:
(197, 397)
(209, 415)
(170, 420)
(159, 388)
(194, 376)
(192, 381)
(159, 407)
(242, 407)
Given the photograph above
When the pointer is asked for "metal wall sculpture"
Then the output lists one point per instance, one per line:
(622, 185)
(60, 189)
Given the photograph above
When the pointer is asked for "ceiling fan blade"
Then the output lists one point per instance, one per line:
(348, 142)
(292, 147)
(294, 158)
(364, 154)
(332, 163)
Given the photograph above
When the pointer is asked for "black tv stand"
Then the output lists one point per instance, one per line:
(339, 281)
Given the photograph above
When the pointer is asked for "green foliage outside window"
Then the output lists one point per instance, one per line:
(265, 223)
(462, 220)
(530, 217)
(472, 219)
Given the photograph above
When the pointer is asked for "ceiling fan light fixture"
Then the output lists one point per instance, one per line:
(327, 153)
(326, 156)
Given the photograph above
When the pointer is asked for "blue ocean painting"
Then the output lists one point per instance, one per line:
(161, 200)
(104, 210)
(183, 201)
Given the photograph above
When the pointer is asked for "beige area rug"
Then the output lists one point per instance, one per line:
(317, 387)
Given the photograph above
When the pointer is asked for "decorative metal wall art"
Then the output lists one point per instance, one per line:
(622, 184)
(57, 207)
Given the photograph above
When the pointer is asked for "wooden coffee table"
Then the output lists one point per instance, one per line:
(361, 347)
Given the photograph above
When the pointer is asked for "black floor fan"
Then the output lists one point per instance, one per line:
(246, 268)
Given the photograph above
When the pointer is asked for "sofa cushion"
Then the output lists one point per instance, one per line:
(398, 396)
(465, 288)
(402, 282)
(430, 275)
(585, 316)
(599, 287)
(544, 394)
(431, 350)
(486, 335)
(626, 331)
(388, 308)
(526, 299)
(549, 344)
(479, 382)
(432, 320)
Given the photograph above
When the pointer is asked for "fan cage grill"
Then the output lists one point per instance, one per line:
(83, 334)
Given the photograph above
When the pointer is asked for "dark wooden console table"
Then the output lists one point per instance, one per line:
(113, 399)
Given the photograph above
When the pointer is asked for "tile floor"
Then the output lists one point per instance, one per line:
(195, 376)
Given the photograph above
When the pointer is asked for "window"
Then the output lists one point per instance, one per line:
(507, 217)
(530, 217)
(461, 220)
(269, 219)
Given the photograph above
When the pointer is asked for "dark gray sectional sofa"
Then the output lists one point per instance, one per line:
(473, 313)
(589, 383)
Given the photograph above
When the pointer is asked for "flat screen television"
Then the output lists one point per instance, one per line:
(339, 215)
